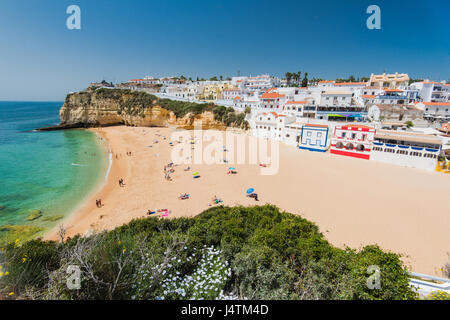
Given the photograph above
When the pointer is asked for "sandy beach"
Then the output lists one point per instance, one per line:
(354, 202)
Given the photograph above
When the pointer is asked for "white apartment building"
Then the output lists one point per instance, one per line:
(294, 108)
(353, 87)
(251, 102)
(391, 96)
(435, 110)
(430, 91)
(270, 125)
(261, 82)
(325, 84)
(230, 94)
(182, 91)
(336, 98)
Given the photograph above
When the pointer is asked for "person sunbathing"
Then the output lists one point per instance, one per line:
(254, 196)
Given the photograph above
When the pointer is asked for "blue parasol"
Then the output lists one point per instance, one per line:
(250, 190)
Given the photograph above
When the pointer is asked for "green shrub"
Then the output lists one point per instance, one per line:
(240, 252)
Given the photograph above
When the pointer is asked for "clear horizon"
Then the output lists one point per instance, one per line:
(41, 60)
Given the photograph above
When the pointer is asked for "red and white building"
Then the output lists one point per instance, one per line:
(353, 140)
(272, 100)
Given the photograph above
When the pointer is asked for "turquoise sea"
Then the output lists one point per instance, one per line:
(48, 171)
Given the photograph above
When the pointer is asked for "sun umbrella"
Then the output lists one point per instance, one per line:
(195, 174)
(250, 190)
(231, 168)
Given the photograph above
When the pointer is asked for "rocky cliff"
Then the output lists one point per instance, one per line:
(105, 107)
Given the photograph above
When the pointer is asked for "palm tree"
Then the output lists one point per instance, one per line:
(288, 77)
(305, 80)
(299, 74)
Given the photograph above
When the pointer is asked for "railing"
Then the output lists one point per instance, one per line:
(392, 97)
(425, 287)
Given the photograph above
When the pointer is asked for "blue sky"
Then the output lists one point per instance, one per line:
(40, 59)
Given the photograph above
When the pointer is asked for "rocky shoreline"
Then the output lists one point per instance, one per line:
(94, 108)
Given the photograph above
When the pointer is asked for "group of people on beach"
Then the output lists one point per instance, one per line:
(216, 200)
(117, 155)
(168, 169)
(98, 202)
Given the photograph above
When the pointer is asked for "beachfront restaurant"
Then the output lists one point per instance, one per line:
(353, 140)
(407, 149)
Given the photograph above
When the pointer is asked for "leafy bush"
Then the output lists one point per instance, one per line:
(223, 253)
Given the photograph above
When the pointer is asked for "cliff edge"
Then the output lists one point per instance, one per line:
(106, 107)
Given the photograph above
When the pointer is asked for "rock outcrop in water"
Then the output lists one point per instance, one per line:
(107, 107)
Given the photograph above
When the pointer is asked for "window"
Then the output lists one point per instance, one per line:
(353, 135)
(364, 136)
(343, 134)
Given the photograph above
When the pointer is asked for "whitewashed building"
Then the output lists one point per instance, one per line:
(435, 110)
(231, 93)
(430, 91)
(406, 149)
(270, 125)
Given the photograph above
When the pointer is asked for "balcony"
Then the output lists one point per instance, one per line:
(392, 97)
(341, 109)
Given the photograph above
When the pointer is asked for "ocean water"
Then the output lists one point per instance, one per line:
(48, 171)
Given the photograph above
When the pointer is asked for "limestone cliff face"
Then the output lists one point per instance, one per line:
(114, 107)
